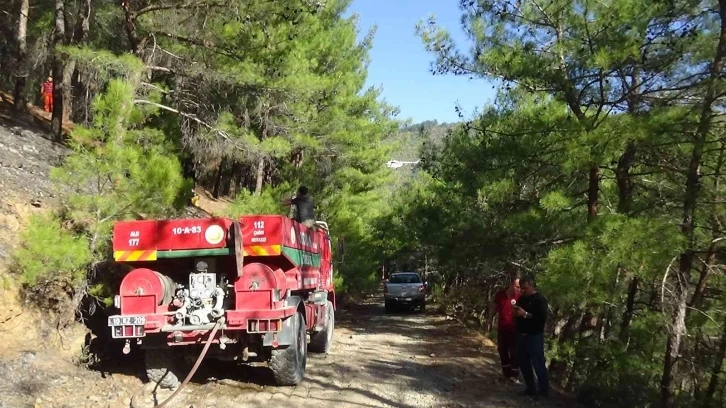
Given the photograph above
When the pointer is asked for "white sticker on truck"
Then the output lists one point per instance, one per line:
(214, 234)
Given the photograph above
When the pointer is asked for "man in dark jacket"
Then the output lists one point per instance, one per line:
(531, 312)
(304, 205)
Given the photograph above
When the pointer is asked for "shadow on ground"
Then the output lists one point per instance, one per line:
(402, 359)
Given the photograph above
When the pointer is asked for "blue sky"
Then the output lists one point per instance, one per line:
(400, 64)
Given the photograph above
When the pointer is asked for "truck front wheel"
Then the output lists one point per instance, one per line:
(162, 368)
(288, 364)
(321, 341)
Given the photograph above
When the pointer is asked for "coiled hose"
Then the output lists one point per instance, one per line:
(191, 373)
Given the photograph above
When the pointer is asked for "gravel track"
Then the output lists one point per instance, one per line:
(405, 359)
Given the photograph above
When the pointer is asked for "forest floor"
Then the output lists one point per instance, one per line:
(378, 359)
(405, 359)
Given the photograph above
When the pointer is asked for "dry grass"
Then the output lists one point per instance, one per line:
(36, 114)
(215, 207)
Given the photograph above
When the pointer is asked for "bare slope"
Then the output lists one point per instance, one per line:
(26, 157)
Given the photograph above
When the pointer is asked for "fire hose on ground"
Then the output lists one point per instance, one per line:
(219, 323)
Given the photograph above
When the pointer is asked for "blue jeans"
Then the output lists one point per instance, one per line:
(531, 355)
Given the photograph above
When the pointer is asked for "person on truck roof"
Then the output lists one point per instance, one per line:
(304, 204)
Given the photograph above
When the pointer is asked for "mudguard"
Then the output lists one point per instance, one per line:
(285, 336)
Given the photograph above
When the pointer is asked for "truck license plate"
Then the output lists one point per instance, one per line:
(126, 321)
(407, 299)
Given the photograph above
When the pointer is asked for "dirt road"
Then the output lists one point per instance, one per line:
(401, 360)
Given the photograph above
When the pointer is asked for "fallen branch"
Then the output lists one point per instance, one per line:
(176, 6)
(158, 68)
(665, 278)
(11, 317)
(220, 132)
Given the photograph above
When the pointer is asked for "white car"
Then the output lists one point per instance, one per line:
(405, 289)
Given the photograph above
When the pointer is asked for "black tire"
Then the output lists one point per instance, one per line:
(322, 341)
(288, 364)
(389, 307)
(163, 368)
(423, 306)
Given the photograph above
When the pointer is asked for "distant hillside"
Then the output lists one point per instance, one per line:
(428, 125)
(410, 140)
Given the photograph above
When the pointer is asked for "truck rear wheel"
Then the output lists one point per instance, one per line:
(162, 368)
(322, 341)
(288, 364)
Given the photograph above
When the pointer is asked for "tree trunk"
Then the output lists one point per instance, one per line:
(716, 370)
(234, 178)
(709, 263)
(715, 234)
(68, 70)
(83, 25)
(77, 87)
(260, 176)
(625, 163)
(21, 74)
(227, 178)
(558, 368)
(130, 27)
(189, 168)
(629, 310)
(58, 110)
(592, 192)
(238, 178)
(261, 163)
(584, 326)
(675, 335)
(606, 322)
(678, 326)
(218, 179)
(625, 183)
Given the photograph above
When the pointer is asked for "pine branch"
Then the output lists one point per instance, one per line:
(190, 116)
(188, 6)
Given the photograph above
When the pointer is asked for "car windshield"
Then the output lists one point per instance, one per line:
(405, 278)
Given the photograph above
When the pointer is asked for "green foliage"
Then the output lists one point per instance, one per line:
(48, 252)
(554, 201)
(103, 64)
(102, 292)
(249, 203)
(577, 175)
(117, 173)
(118, 169)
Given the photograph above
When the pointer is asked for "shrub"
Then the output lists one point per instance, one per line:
(50, 252)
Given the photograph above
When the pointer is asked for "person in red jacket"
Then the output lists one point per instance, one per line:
(46, 91)
(502, 304)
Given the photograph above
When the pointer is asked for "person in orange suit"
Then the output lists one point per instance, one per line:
(46, 90)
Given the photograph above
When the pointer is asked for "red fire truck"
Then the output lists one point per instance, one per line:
(251, 289)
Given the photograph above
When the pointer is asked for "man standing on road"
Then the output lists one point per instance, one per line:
(502, 307)
(531, 312)
(305, 209)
